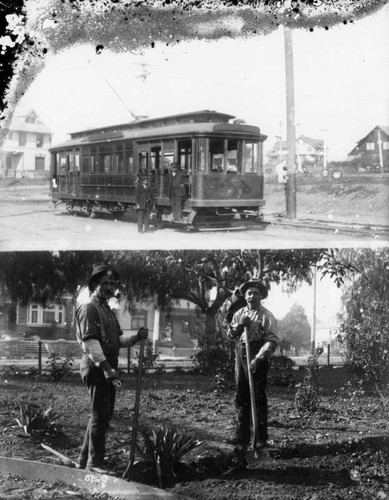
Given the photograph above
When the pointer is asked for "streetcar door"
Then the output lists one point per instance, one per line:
(63, 184)
(150, 163)
(74, 172)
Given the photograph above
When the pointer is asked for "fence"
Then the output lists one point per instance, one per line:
(36, 353)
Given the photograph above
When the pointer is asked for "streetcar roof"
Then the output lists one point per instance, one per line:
(165, 131)
(143, 122)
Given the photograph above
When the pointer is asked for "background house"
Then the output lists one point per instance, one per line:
(170, 331)
(310, 154)
(25, 149)
(372, 151)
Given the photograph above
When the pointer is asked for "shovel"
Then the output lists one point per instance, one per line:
(136, 411)
(254, 456)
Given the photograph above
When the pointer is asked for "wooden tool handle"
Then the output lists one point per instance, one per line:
(252, 392)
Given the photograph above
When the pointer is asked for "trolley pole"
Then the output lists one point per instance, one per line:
(290, 126)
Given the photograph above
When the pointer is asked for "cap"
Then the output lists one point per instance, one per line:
(100, 271)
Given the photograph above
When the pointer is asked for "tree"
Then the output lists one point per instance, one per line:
(365, 331)
(163, 276)
(296, 328)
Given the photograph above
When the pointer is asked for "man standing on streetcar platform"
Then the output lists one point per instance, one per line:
(263, 341)
(99, 334)
(177, 192)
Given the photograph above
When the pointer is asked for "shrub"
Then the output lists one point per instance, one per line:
(281, 371)
(367, 351)
(149, 359)
(216, 360)
(307, 397)
(59, 367)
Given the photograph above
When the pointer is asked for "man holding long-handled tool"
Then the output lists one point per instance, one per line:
(255, 331)
(100, 336)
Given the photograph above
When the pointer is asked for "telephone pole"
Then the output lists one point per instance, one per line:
(290, 126)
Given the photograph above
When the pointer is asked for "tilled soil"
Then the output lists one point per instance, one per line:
(339, 452)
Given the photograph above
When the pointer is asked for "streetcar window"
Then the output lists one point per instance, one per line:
(63, 163)
(130, 164)
(93, 160)
(155, 158)
(143, 161)
(69, 161)
(93, 164)
(128, 157)
(168, 153)
(105, 158)
(107, 162)
(119, 162)
(216, 155)
(77, 161)
(200, 153)
(232, 156)
(85, 163)
(185, 154)
(250, 157)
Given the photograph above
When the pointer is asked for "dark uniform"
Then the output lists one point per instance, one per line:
(177, 192)
(144, 200)
(263, 341)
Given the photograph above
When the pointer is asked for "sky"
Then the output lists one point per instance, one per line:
(341, 80)
(328, 300)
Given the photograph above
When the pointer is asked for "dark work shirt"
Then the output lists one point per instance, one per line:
(96, 320)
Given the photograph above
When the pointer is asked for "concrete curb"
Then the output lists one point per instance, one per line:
(95, 483)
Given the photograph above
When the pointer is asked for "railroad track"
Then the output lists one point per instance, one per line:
(377, 230)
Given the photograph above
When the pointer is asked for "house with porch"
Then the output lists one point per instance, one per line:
(310, 154)
(24, 152)
(171, 332)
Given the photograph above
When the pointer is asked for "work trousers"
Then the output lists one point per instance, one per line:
(143, 218)
(177, 204)
(102, 394)
(242, 395)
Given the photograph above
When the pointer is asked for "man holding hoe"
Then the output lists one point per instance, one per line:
(261, 328)
(100, 337)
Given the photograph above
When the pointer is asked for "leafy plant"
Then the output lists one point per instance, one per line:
(367, 350)
(164, 449)
(149, 359)
(33, 419)
(59, 367)
(307, 397)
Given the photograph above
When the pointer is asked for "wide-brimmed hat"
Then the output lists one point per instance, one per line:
(100, 271)
(254, 284)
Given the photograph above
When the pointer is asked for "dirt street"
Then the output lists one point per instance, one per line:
(27, 224)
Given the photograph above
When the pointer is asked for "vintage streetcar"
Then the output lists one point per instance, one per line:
(97, 170)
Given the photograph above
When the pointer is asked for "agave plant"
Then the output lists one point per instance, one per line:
(164, 448)
(33, 418)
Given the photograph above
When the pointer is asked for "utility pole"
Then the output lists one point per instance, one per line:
(313, 329)
(290, 126)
